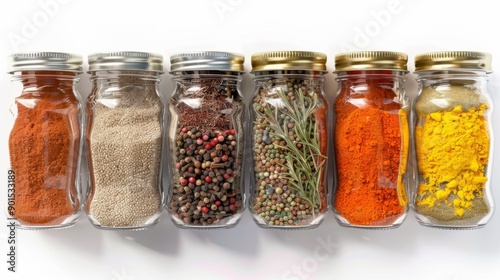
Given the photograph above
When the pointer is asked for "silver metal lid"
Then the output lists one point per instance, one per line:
(44, 61)
(207, 60)
(125, 60)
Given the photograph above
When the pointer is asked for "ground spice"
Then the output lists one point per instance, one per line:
(452, 152)
(207, 151)
(44, 146)
(124, 135)
(289, 145)
(371, 145)
(446, 96)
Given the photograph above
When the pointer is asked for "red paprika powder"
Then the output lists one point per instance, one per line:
(44, 146)
(371, 144)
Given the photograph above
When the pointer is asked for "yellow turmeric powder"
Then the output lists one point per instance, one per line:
(452, 152)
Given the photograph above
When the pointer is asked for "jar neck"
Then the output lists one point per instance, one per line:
(271, 83)
(206, 74)
(379, 86)
(371, 78)
(290, 74)
(59, 77)
(308, 80)
(371, 75)
(46, 82)
(457, 77)
(124, 78)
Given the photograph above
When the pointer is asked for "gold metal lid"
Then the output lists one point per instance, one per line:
(371, 60)
(288, 60)
(449, 60)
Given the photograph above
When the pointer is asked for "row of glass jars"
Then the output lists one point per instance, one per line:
(444, 151)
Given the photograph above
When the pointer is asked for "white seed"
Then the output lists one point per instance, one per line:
(125, 146)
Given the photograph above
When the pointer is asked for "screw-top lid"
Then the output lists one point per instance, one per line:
(44, 61)
(371, 60)
(207, 60)
(125, 60)
(449, 60)
(288, 60)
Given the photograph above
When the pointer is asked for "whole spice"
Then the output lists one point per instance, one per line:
(207, 151)
(124, 136)
(371, 145)
(44, 147)
(452, 151)
(289, 151)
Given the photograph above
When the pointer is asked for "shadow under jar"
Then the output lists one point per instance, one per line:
(124, 138)
(206, 140)
(45, 141)
(453, 140)
(371, 140)
(289, 140)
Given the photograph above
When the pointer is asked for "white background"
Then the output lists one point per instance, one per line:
(244, 26)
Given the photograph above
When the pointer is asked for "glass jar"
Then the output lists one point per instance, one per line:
(371, 140)
(45, 141)
(124, 140)
(289, 140)
(453, 140)
(206, 140)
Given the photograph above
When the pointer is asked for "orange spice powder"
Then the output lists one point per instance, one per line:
(371, 153)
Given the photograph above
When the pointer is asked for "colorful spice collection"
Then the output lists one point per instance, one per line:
(439, 165)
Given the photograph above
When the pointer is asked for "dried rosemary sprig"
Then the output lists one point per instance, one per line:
(304, 160)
